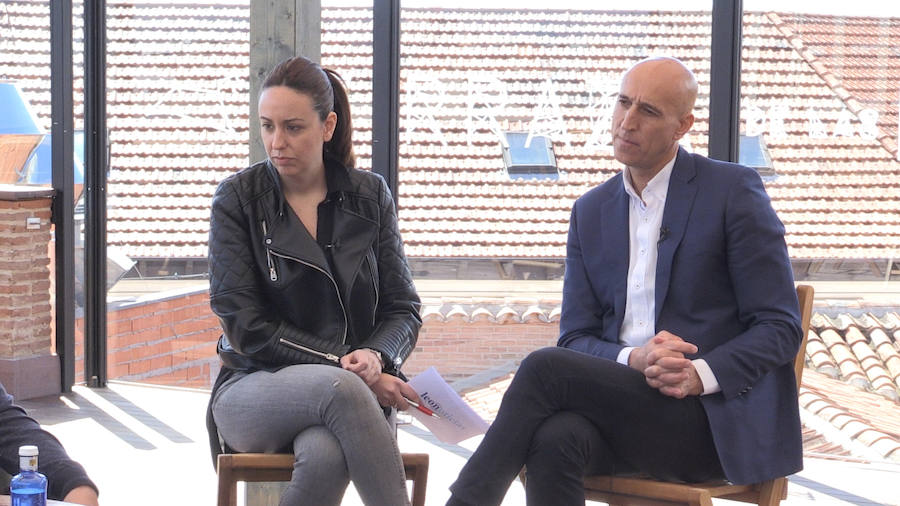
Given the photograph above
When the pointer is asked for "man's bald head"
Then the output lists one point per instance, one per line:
(668, 70)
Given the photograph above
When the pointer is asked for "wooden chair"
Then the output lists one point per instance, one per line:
(250, 467)
(618, 490)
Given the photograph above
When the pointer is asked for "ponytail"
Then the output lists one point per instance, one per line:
(341, 144)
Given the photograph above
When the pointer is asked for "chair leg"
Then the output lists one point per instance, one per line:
(418, 490)
(416, 467)
(772, 491)
(227, 485)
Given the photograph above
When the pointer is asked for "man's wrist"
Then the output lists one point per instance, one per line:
(637, 358)
(709, 384)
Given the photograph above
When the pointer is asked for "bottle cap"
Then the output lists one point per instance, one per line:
(28, 451)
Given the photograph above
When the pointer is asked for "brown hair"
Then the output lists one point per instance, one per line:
(326, 89)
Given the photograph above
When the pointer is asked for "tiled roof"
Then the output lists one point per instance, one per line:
(178, 116)
(864, 419)
(485, 399)
(861, 351)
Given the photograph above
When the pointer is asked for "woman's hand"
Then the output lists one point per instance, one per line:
(393, 391)
(365, 363)
(82, 495)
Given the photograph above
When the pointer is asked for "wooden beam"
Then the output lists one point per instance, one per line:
(279, 29)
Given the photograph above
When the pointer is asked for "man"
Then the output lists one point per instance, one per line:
(679, 324)
(66, 478)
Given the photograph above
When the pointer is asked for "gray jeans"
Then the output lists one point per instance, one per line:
(330, 416)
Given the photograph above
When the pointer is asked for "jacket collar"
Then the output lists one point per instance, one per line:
(351, 233)
(337, 176)
(337, 180)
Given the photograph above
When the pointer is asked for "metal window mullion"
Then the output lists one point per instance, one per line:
(725, 80)
(386, 90)
(62, 179)
(95, 192)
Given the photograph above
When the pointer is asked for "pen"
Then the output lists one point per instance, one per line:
(422, 408)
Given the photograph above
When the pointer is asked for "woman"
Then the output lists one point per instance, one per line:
(310, 283)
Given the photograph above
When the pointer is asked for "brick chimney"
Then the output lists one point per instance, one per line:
(28, 366)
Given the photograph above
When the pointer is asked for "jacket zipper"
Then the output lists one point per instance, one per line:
(327, 356)
(333, 283)
(375, 287)
(272, 274)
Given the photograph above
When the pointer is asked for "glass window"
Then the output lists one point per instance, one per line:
(473, 72)
(177, 94)
(24, 134)
(819, 83)
(347, 49)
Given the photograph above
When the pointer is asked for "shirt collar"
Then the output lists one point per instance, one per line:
(657, 187)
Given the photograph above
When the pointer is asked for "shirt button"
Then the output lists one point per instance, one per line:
(641, 323)
(637, 286)
(642, 251)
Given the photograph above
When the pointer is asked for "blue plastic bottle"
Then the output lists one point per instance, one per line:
(29, 487)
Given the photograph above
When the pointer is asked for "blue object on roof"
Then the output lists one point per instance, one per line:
(39, 167)
(15, 115)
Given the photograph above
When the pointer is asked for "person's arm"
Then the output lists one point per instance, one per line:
(237, 299)
(82, 495)
(397, 320)
(762, 279)
(16, 429)
(580, 324)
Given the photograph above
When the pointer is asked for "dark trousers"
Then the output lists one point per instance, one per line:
(567, 414)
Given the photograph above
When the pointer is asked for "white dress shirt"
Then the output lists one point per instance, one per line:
(645, 213)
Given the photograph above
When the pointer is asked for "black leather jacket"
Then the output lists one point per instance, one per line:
(275, 292)
(278, 299)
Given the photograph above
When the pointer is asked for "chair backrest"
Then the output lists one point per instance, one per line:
(805, 295)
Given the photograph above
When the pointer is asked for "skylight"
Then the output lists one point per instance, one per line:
(529, 158)
(753, 152)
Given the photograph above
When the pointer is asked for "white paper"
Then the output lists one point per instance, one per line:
(457, 420)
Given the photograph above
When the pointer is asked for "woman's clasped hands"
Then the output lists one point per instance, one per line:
(365, 363)
(389, 390)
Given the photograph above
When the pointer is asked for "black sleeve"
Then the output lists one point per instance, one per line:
(235, 296)
(397, 314)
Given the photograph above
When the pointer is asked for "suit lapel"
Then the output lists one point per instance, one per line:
(679, 201)
(615, 247)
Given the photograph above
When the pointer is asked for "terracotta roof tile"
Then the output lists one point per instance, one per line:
(869, 419)
(508, 315)
(815, 443)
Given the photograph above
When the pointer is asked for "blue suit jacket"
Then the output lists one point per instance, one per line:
(723, 282)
